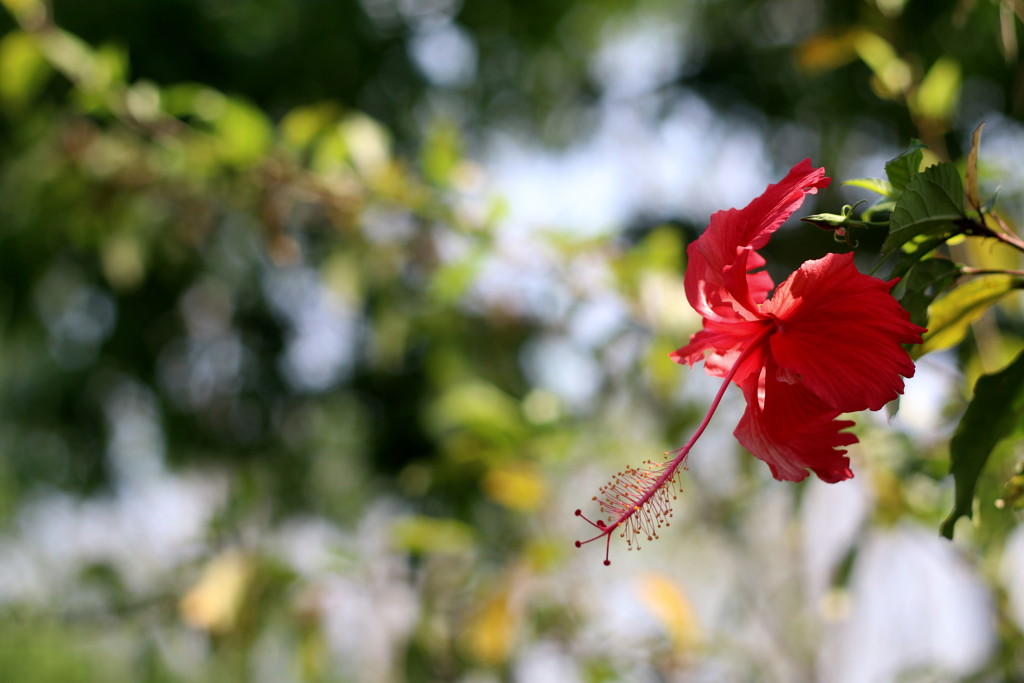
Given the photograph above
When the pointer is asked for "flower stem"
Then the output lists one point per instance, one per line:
(652, 486)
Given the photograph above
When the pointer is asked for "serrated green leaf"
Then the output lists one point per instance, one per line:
(950, 316)
(996, 409)
(906, 166)
(876, 185)
(926, 281)
(930, 204)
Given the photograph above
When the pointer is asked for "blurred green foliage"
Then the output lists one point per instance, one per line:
(245, 248)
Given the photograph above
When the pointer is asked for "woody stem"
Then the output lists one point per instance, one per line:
(1006, 236)
(967, 270)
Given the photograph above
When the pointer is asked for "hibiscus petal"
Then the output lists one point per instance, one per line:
(747, 288)
(718, 279)
(725, 342)
(840, 334)
(792, 430)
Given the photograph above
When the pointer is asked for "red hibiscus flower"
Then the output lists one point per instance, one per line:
(827, 342)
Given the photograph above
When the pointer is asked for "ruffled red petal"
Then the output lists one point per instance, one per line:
(718, 278)
(792, 430)
(724, 342)
(840, 334)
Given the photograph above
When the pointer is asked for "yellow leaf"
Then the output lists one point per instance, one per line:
(519, 487)
(950, 316)
(491, 630)
(214, 602)
(992, 254)
(892, 74)
(825, 52)
(31, 12)
(123, 261)
(666, 601)
(939, 92)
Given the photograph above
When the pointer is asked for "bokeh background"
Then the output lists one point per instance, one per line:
(319, 319)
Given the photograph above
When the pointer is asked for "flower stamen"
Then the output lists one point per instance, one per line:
(638, 501)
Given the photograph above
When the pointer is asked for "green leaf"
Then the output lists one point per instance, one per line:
(879, 211)
(926, 281)
(23, 70)
(242, 133)
(996, 409)
(301, 126)
(906, 166)
(930, 204)
(425, 535)
(876, 185)
(451, 280)
(1013, 491)
(950, 316)
(442, 152)
(914, 251)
